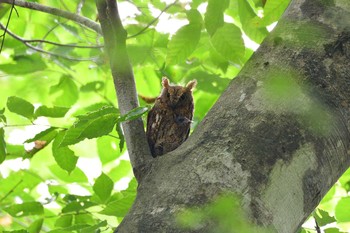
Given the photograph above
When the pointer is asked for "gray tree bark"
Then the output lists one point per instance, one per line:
(279, 136)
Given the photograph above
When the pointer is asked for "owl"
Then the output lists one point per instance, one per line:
(169, 121)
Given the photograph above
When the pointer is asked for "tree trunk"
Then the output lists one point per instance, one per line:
(278, 136)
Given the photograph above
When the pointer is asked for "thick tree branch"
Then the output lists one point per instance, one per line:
(54, 11)
(115, 46)
(279, 136)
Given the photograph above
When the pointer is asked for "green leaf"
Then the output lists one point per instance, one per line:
(92, 86)
(91, 125)
(194, 17)
(323, 218)
(183, 43)
(77, 206)
(120, 207)
(46, 135)
(27, 63)
(228, 42)
(123, 169)
(64, 221)
(2, 116)
(2, 145)
(16, 231)
(36, 226)
(20, 106)
(84, 219)
(119, 130)
(342, 213)
(94, 228)
(15, 151)
(133, 114)
(108, 149)
(249, 24)
(65, 92)
(25, 209)
(273, 10)
(214, 15)
(54, 112)
(103, 187)
(64, 156)
(75, 176)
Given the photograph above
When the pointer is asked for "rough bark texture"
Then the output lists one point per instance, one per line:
(280, 153)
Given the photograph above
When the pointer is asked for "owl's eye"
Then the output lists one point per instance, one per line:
(182, 97)
(168, 94)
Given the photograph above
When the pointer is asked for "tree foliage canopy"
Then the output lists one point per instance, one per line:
(64, 165)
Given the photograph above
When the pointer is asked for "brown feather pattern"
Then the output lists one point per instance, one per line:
(169, 121)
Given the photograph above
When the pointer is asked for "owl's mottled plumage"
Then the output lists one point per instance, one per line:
(169, 121)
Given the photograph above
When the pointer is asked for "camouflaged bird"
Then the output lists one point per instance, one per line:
(169, 121)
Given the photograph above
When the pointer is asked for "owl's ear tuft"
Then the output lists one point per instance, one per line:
(191, 85)
(165, 82)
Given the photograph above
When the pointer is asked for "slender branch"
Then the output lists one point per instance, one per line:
(7, 24)
(11, 191)
(54, 11)
(63, 45)
(153, 21)
(44, 51)
(115, 45)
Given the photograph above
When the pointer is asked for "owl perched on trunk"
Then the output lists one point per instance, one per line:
(169, 121)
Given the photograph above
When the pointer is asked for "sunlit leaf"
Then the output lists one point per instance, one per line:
(123, 169)
(75, 176)
(55, 112)
(133, 114)
(2, 116)
(91, 125)
(46, 135)
(28, 64)
(36, 226)
(65, 92)
(228, 41)
(183, 43)
(342, 213)
(20, 106)
(64, 156)
(92, 86)
(2, 145)
(77, 206)
(194, 17)
(64, 221)
(25, 209)
(103, 187)
(214, 16)
(108, 149)
(118, 208)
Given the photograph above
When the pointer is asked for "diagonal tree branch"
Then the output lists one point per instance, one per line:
(115, 46)
(54, 11)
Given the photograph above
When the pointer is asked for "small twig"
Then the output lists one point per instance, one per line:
(44, 51)
(80, 6)
(153, 21)
(54, 11)
(64, 45)
(11, 190)
(7, 24)
(317, 227)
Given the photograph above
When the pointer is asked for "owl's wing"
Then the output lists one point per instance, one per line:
(155, 128)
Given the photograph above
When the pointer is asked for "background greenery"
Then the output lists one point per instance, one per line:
(64, 167)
